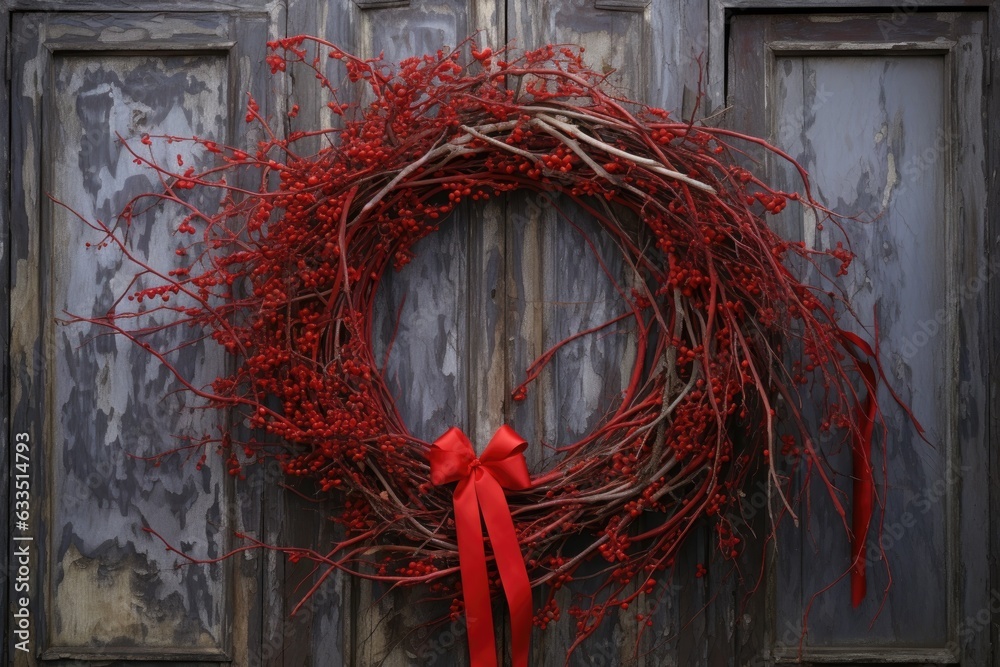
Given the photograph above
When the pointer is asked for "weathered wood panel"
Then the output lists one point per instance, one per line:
(895, 137)
(439, 314)
(318, 629)
(988, 347)
(95, 401)
(108, 388)
(444, 355)
(561, 288)
(556, 287)
(851, 142)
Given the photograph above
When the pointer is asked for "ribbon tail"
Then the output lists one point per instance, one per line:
(475, 580)
(510, 563)
(863, 500)
(863, 496)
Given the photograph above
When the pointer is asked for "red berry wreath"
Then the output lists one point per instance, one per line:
(284, 276)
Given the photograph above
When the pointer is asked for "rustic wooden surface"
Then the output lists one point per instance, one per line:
(493, 289)
(113, 398)
(102, 587)
(893, 135)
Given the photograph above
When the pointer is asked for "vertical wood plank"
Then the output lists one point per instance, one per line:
(440, 313)
(678, 51)
(333, 612)
(991, 357)
(557, 286)
(695, 618)
(27, 362)
(976, 268)
(747, 62)
(432, 357)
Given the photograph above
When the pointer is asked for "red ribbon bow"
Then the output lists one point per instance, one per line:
(481, 482)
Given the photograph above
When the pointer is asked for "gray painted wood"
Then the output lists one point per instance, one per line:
(895, 135)
(109, 391)
(323, 626)
(653, 57)
(721, 14)
(557, 288)
(851, 142)
(110, 590)
(445, 363)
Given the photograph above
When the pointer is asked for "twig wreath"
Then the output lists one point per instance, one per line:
(284, 275)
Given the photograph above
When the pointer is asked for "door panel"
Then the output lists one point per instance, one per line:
(99, 386)
(97, 404)
(890, 128)
(439, 329)
(882, 111)
(556, 286)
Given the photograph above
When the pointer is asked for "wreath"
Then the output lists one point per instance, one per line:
(283, 275)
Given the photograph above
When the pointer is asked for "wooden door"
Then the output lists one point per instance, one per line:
(99, 587)
(888, 116)
(492, 290)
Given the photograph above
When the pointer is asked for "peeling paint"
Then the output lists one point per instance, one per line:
(90, 587)
(891, 179)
